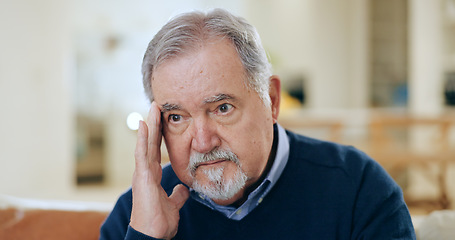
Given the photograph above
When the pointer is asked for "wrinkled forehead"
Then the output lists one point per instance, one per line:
(192, 52)
(215, 70)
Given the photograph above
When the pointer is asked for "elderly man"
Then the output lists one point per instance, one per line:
(235, 173)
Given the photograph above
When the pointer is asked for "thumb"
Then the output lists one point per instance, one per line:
(179, 195)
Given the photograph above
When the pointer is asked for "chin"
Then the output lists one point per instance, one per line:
(219, 185)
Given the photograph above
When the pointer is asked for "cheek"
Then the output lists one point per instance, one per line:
(179, 155)
(252, 143)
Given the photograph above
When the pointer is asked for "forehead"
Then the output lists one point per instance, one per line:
(211, 69)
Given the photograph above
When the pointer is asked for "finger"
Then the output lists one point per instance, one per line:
(140, 153)
(179, 195)
(154, 133)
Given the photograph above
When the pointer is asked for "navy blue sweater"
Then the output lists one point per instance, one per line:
(327, 191)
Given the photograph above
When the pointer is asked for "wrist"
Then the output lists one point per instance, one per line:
(132, 233)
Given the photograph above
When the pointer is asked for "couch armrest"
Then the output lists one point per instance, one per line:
(50, 219)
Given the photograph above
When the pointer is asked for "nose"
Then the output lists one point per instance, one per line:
(204, 135)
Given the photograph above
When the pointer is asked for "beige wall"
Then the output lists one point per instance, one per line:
(326, 41)
(35, 125)
(426, 56)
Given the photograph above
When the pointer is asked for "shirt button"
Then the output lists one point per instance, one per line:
(260, 200)
(238, 211)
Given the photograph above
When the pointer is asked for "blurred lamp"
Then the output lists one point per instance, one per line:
(133, 120)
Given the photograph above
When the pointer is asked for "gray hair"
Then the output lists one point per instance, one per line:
(185, 31)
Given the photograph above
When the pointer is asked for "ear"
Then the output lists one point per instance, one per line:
(275, 96)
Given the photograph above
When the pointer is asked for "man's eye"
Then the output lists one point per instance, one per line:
(225, 107)
(174, 118)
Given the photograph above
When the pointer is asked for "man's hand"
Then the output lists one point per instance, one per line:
(154, 213)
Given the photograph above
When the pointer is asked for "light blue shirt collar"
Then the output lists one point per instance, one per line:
(257, 196)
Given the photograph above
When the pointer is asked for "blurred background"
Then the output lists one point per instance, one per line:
(376, 74)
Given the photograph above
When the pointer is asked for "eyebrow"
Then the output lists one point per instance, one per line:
(218, 97)
(169, 107)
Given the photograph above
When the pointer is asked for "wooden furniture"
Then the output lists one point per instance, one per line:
(401, 142)
(332, 127)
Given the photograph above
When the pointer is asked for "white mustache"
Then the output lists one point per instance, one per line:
(197, 158)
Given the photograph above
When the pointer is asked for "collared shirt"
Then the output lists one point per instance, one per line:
(255, 197)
